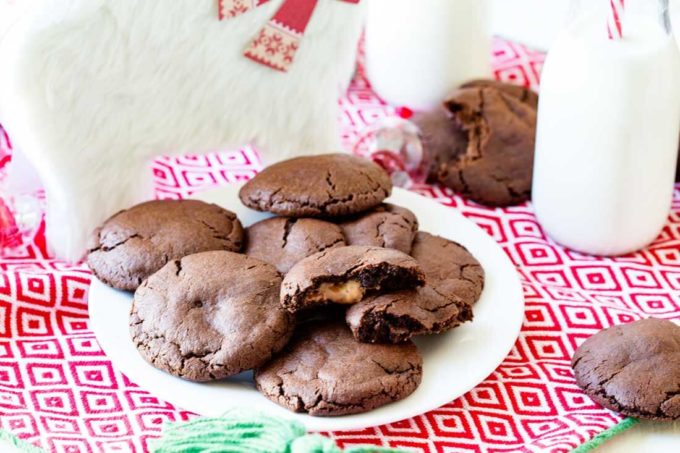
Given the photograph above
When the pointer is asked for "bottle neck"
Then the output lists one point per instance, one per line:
(630, 13)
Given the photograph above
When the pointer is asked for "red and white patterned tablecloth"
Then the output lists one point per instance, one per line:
(59, 390)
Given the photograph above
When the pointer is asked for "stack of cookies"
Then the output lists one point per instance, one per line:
(322, 301)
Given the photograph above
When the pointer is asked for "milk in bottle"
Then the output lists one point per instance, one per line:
(608, 127)
(417, 51)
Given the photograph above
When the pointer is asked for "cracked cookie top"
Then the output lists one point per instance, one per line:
(328, 185)
(449, 267)
(135, 243)
(285, 241)
(387, 226)
(633, 369)
(524, 94)
(210, 315)
(324, 371)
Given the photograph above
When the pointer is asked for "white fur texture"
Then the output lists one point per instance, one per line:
(90, 90)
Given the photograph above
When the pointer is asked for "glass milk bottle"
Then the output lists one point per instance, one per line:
(418, 51)
(608, 125)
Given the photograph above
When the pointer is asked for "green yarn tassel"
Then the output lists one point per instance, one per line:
(230, 433)
(320, 444)
(254, 433)
(236, 432)
(20, 445)
(313, 444)
(604, 436)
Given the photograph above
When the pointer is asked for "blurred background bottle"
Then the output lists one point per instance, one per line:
(419, 51)
(608, 127)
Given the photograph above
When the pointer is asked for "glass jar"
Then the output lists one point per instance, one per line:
(608, 127)
(419, 51)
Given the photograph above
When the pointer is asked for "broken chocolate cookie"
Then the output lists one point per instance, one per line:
(345, 275)
(481, 143)
(399, 316)
(524, 94)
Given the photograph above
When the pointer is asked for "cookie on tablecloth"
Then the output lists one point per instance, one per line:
(443, 140)
(345, 275)
(324, 371)
(633, 369)
(135, 243)
(210, 315)
(482, 145)
(524, 94)
(387, 226)
(328, 185)
(285, 241)
(449, 267)
(398, 316)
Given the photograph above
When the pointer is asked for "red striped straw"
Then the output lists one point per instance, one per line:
(615, 18)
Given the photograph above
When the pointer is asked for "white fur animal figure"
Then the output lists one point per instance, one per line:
(91, 90)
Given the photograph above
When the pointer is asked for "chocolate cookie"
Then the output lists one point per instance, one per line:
(329, 185)
(210, 315)
(135, 243)
(633, 369)
(443, 140)
(325, 372)
(526, 95)
(345, 275)
(387, 226)
(449, 267)
(398, 316)
(499, 131)
(285, 241)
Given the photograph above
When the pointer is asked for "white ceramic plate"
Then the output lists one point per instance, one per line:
(454, 362)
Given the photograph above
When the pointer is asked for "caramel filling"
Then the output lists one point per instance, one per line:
(346, 293)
